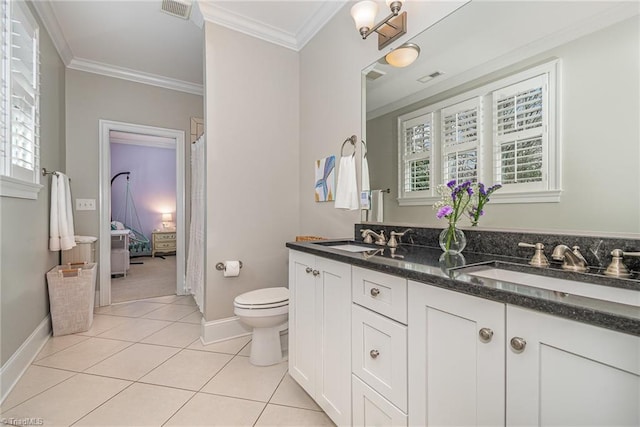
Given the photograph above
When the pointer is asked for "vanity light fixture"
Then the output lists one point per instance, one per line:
(389, 29)
(403, 55)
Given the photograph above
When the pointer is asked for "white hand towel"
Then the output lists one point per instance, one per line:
(54, 235)
(347, 188)
(380, 209)
(377, 206)
(61, 232)
(365, 175)
(67, 237)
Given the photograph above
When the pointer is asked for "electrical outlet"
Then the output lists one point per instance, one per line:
(85, 204)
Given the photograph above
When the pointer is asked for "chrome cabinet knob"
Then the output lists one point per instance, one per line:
(485, 334)
(518, 344)
(308, 269)
(374, 353)
(316, 272)
(375, 292)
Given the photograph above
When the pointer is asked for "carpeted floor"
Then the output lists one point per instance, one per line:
(156, 277)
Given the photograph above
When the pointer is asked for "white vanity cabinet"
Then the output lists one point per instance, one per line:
(471, 361)
(456, 358)
(563, 372)
(379, 349)
(319, 333)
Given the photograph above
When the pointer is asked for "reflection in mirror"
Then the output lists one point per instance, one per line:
(597, 48)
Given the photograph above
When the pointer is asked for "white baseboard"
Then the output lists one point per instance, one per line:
(15, 367)
(223, 329)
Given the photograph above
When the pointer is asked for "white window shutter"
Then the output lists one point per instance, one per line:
(4, 89)
(20, 87)
(416, 147)
(461, 130)
(521, 134)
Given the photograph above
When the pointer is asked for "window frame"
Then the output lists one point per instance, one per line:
(16, 181)
(551, 191)
(415, 197)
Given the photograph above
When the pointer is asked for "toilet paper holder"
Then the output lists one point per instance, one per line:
(220, 265)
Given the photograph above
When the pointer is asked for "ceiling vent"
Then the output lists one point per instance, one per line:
(431, 76)
(375, 74)
(179, 8)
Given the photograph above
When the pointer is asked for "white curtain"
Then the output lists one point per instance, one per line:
(195, 259)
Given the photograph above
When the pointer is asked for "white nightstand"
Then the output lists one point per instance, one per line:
(163, 241)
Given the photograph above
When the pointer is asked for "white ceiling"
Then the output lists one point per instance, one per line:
(134, 40)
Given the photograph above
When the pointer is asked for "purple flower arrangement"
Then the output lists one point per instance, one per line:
(460, 199)
(463, 198)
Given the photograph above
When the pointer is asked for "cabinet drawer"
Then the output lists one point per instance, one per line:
(165, 245)
(164, 236)
(379, 354)
(371, 409)
(382, 293)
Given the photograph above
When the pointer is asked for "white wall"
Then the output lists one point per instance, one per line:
(252, 145)
(330, 102)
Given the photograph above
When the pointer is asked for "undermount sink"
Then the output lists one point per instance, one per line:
(345, 245)
(352, 248)
(506, 278)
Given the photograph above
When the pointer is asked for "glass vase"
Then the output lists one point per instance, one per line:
(452, 240)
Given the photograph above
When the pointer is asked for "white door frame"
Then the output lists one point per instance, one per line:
(105, 201)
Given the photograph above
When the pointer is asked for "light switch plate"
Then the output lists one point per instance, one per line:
(85, 204)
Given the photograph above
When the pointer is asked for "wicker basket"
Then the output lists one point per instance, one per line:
(71, 297)
(309, 238)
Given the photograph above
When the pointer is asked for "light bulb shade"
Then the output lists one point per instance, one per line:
(364, 14)
(403, 55)
(166, 217)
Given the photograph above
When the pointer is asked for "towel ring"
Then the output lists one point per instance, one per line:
(352, 139)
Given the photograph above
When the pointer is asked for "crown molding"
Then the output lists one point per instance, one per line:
(51, 24)
(217, 15)
(316, 22)
(135, 76)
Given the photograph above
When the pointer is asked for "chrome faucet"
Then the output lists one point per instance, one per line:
(393, 242)
(380, 239)
(572, 260)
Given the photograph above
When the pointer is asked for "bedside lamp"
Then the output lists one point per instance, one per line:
(166, 218)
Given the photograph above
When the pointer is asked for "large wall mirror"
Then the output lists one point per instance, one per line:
(597, 48)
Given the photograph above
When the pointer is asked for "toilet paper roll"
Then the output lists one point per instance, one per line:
(231, 268)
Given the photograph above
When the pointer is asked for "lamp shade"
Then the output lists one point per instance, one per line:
(403, 56)
(364, 14)
(166, 217)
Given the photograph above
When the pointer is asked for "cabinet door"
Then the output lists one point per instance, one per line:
(456, 376)
(371, 409)
(303, 329)
(333, 314)
(570, 373)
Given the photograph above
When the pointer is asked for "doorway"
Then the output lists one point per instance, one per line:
(168, 138)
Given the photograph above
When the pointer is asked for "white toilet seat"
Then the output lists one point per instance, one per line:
(267, 312)
(261, 306)
(265, 297)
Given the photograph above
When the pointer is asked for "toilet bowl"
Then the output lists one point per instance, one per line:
(266, 311)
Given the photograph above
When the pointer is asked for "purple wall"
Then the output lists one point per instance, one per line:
(152, 184)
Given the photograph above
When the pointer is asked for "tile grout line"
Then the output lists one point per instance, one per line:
(271, 397)
(200, 389)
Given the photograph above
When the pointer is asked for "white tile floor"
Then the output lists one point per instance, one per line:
(142, 364)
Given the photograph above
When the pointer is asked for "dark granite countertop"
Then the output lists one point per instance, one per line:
(429, 265)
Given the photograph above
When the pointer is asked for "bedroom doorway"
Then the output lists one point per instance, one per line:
(142, 227)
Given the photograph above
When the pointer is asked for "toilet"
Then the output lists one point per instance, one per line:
(266, 311)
